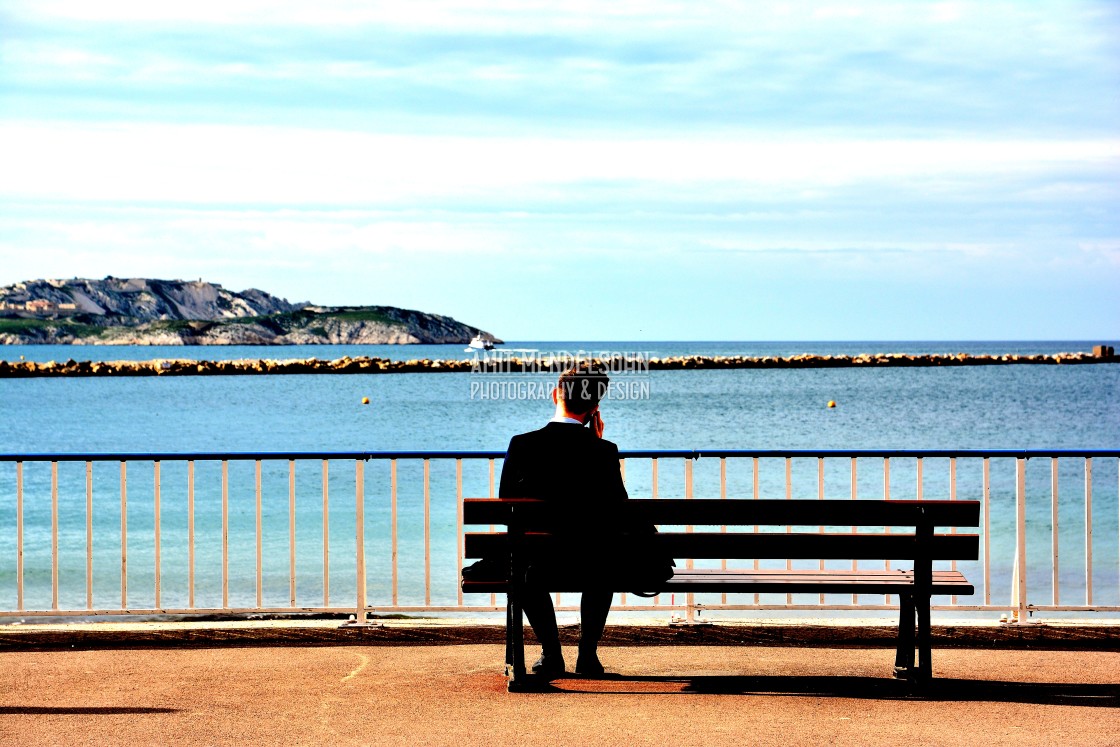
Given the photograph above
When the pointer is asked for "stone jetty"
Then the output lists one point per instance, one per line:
(507, 364)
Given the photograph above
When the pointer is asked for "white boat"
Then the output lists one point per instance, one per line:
(478, 343)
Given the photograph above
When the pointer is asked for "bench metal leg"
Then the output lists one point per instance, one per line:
(509, 636)
(904, 655)
(923, 587)
(515, 643)
(925, 646)
(911, 607)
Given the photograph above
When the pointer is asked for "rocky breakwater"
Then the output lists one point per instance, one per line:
(179, 367)
(367, 365)
(874, 360)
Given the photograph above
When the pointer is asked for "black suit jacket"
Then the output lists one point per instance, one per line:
(567, 465)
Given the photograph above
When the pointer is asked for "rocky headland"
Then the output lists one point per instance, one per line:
(505, 364)
(142, 311)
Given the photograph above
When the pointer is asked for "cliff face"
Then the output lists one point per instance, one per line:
(139, 300)
(140, 311)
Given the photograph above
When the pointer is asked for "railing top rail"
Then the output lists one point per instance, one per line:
(882, 453)
(234, 456)
(628, 454)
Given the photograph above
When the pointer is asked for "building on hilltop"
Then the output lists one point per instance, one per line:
(37, 305)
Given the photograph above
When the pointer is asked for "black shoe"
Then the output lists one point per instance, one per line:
(588, 665)
(549, 665)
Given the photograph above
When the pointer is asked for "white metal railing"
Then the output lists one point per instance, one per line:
(302, 534)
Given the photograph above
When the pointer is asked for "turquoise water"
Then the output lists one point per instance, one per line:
(1012, 407)
(1022, 406)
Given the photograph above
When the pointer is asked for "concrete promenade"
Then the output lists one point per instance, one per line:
(186, 688)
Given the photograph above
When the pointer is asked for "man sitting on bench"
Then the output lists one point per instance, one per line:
(577, 470)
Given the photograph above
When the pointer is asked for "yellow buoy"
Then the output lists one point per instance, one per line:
(365, 400)
(832, 403)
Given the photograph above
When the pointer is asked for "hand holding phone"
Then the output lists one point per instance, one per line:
(595, 422)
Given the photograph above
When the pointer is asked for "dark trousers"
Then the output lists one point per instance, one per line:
(593, 609)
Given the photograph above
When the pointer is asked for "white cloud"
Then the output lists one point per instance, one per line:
(839, 11)
(491, 14)
(865, 69)
(240, 165)
(871, 248)
(948, 12)
(449, 14)
(1109, 251)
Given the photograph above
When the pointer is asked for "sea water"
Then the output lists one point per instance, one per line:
(982, 407)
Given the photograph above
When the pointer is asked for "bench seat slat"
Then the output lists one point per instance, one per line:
(838, 574)
(783, 581)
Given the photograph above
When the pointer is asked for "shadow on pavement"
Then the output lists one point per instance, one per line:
(947, 689)
(79, 710)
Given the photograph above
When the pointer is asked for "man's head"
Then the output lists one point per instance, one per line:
(581, 388)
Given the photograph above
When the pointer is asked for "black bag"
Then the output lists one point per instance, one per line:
(630, 560)
(487, 569)
(631, 565)
(644, 565)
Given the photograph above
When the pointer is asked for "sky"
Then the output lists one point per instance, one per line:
(594, 171)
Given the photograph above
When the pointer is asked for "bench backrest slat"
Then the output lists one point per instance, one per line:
(744, 512)
(748, 545)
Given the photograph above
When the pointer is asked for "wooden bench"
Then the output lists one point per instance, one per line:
(904, 532)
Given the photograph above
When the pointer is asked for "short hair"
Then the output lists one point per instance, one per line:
(582, 387)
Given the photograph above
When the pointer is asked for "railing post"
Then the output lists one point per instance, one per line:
(653, 496)
(326, 535)
(855, 489)
(19, 536)
(1055, 577)
(459, 538)
(258, 532)
(754, 497)
(54, 535)
(986, 489)
(360, 539)
(124, 535)
(1089, 531)
(789, 529)
(953, 497)
(190, 534)
(886, 497)
(427, 534)
(723, 496)
(690, 598)
(292, 531)
(393, 541)
(156, 520)
(89, 535)
(1020, 576)
(820, 529)
(225, 534)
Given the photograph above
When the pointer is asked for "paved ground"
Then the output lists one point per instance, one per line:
(455, 695)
